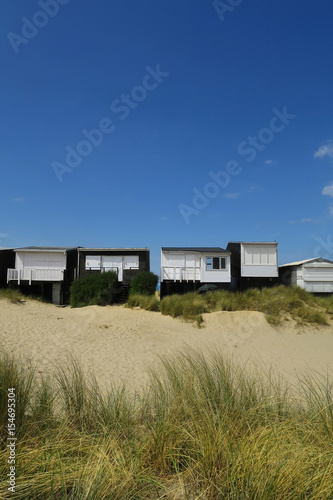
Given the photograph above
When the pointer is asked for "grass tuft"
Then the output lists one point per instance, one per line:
(276, 303)
(146, 302)
(204, 428)
(12, 295)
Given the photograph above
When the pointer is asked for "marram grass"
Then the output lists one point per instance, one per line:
(276, 303)
(13, 295)
(203, 428)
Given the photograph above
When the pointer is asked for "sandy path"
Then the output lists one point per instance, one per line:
(119, 344)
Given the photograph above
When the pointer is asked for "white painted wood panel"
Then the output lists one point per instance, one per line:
(259, 260)
(93, 262)
(40, 260)
(215, 275)
(318, 273)
(131, 262)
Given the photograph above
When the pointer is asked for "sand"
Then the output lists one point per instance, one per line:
(118, 344)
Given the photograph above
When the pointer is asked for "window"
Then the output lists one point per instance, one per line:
(215, 263)
(93, 262)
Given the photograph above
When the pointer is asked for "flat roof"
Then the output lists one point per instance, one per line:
(44, 249)
(84, 249)
(196, 249)
(255, 242)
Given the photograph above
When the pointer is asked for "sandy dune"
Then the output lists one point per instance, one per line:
(119, 344)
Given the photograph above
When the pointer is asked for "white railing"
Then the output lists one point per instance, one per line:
(34, 275)
(181, 273)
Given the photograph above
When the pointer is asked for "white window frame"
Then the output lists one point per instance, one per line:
(220, 268)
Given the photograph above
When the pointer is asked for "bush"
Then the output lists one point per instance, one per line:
(96, 289)
(144, 283)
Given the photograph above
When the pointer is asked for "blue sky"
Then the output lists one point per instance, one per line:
(179, 123)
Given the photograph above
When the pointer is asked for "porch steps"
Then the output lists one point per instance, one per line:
(123, 292)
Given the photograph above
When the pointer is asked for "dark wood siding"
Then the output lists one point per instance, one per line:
(181, 287)
(128, 274)
(7, 261)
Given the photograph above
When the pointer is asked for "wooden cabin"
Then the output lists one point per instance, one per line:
(314, 275)
(253, 264)
(126, 262)
(185, 269)
(45, 271)
(7, 260)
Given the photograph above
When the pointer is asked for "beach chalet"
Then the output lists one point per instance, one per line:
(185, 269)
(253, 264)
(7, 260)
(126, 262)
(314, 275)
(46, 271)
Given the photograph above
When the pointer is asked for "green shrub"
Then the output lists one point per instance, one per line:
(95, 289)
(144, 283)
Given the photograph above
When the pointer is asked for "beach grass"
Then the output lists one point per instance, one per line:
(204, 427)
(277, 303)
(146, 302)
(12, 295)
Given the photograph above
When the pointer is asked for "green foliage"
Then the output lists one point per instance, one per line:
(203, 428)
(189, 306)
(275, 302)
(13, 375)
(12, 294)
(95, 289)
(144, 283)
(147, 302)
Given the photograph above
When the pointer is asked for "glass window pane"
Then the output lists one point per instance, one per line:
(216, 263)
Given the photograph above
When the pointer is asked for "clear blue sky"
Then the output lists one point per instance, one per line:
(182, 91)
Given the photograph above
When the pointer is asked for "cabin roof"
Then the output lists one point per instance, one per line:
(43, 249)
(254, 242)
(300, 262)
(196, 249)
(83, 249)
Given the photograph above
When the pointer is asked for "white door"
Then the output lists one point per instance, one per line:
(113, 263)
